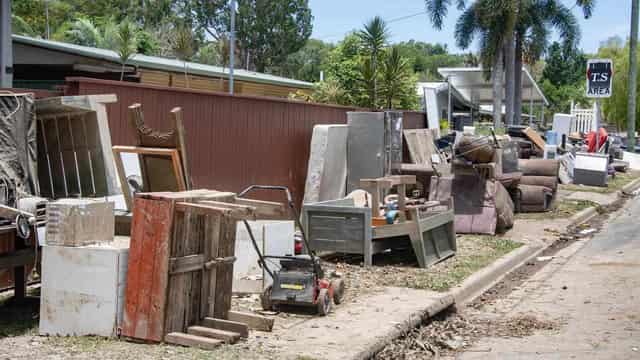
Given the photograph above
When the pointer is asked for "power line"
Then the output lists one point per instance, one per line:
(405, 17)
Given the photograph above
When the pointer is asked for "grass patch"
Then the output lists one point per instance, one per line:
(484, 129)
(561, 210)
(19, 318)
(614, 184)
(474, 253)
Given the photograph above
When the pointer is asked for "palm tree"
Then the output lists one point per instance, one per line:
(491, 21)
(536, 19)
(125, 43)
(633, 73)
(395, 72)
(373, 39)
(182, 46)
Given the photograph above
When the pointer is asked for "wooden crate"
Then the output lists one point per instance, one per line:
(181, 268)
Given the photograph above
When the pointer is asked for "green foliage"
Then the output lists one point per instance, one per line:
(147, 43)
(21, 27)
(615, 107)
(271, 30)
(425, 59)
(125, 43)
(398, 81)
(328, 92)
(563, 79)
(307, 63)
(84, 32)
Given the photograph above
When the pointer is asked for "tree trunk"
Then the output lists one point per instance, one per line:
(186, 75)
(122, 72)
(633, 77)
(517, 95)
(374, 61)
(510, 75)
(497, 77)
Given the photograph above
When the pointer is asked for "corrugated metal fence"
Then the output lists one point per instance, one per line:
(233, 141)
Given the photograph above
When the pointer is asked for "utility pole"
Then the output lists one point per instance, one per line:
(633, 75)
(46, 16)
(232, 45)
(6, 45)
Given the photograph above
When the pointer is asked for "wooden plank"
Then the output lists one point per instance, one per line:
(217, 208)
(144, 150)
(147, 278)
(254, 321)
(226, 248)
(16, 258)
(212, 231)
(187, 263)
(266, 210)
(391, 230)
(534, 137)
(200, 342)
(238, 327)
(176, 116)
(229, 337)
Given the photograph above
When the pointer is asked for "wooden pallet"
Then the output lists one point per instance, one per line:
(181, 268)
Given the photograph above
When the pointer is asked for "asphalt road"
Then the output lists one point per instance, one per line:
(590, 289)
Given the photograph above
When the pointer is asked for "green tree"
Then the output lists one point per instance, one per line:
(307, 63)
(126, 43)
(373, 39)
(268, 31)
(183, 47)
(491, 22)
(21, 27)
(535, 22)
(425, 58)
(615, 108)
(564, 66)
(84, 32)
(398, 81)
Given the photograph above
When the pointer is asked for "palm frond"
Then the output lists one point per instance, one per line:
(587, 7)
(466, 27)
(21, 27)
(375, 34)
(437, 11)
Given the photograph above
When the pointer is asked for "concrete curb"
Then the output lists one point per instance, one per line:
(630, 188)
(582, 216)
(415, 320)
(483, 280)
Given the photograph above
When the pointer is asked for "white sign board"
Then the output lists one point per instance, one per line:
(599, 78)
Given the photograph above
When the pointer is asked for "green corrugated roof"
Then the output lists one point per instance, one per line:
(160, 63)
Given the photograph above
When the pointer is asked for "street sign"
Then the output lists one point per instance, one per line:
(599, 78)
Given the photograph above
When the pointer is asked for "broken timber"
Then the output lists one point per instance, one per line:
(181, 269)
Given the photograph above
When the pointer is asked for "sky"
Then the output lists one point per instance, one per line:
(407, 20)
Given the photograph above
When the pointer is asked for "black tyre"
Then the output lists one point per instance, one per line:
(324, 302)
(265, 299)
(338, 290)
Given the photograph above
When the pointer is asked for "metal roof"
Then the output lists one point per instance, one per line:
(473, 85)
(160, 63)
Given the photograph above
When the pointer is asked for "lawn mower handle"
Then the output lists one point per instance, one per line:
(292, 207)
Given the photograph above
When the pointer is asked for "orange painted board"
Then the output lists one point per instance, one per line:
(147, 275)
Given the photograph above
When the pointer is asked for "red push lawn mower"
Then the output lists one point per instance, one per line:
(299, 280)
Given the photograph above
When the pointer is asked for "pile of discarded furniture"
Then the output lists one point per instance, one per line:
(359, 200)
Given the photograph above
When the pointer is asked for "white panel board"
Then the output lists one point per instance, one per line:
(83, 289)
(275, 238)
(327, 169)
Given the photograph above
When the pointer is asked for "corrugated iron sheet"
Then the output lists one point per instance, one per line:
(233, 141)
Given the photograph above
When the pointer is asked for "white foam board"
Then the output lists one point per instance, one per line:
(83, 288)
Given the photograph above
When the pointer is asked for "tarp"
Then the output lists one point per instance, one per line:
(18, 145)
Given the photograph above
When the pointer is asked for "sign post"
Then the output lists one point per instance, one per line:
(599, 85)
